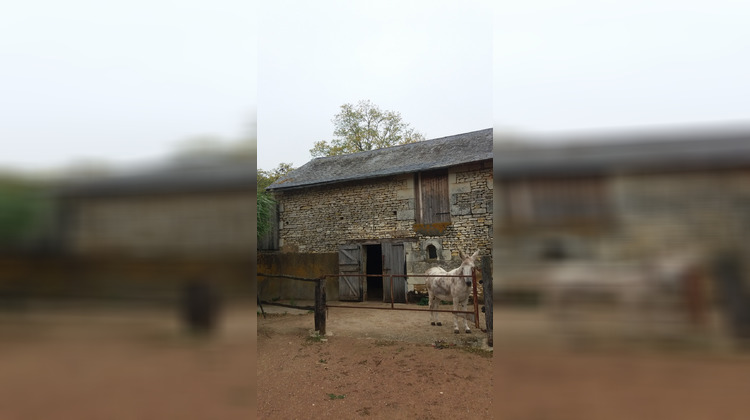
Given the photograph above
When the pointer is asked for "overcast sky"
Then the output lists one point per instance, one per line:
(122, 81)
(129, 81)
(430, 61)
(579, 64)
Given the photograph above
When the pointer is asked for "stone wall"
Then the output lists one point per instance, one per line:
(320, 219)
(471, 197)
(159, 225)
(708, 211)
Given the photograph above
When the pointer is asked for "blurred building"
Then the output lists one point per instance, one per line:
(146, 234)
(182, 211)
(618, 196)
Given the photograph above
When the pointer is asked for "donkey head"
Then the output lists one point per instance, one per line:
(467, 265)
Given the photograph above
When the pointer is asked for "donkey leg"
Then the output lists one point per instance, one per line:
(456, 307)
(464, 305)
(434, 315)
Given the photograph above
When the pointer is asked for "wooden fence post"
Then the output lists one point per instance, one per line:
(487, 283)
(320, 306)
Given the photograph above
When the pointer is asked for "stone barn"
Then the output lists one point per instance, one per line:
(145, 233)
(618, 197)
(397, 210)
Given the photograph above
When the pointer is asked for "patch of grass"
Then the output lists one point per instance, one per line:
(424, 301)
(336, 397)
(442, 344)
(477, 350)
(381, 343)
(322, 361)
(315, 337)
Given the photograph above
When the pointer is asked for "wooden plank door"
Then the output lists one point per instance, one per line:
(350, 262)
(394, 260)
(435, 201)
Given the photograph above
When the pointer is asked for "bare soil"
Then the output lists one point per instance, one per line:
(80, 363)
(598, 373)
(385, 364)
(372, 364)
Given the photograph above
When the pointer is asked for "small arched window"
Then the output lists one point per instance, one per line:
(431, 252)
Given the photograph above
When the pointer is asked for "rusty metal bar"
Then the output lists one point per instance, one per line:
(394, 275)
(284, 276)
(399, 309)
(391, 277)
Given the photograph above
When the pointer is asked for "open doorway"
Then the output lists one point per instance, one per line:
(374, 265)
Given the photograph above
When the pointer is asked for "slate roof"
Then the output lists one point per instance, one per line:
(625, 152)
(190, 179)
(425, 155)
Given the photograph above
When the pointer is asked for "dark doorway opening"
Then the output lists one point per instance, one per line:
(374, 265)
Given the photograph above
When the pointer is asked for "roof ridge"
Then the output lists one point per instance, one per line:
(423, 155)
(382, 149)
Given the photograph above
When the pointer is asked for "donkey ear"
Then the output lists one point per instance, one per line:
(474, 255)
(461, 254)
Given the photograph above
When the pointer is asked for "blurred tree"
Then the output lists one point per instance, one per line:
(364, 126)
(22, 211)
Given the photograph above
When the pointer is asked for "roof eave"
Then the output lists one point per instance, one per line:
(360, 178)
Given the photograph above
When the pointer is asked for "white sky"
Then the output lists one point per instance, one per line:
(128, 81)
(431, 61)
(568, 65)
(122, 81)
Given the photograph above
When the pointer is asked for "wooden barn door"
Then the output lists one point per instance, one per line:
(350, 262)
(434, 197)
(394, 263)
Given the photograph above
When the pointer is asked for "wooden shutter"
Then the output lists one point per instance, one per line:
(435, 201)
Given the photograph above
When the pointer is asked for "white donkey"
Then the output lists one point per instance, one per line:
(641, 290)
(451, 288)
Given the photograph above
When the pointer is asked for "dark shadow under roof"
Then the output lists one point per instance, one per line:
(425, 155)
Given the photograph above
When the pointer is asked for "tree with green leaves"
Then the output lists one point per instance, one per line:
(265, 202)
(365, 126)
(24, 208)
(266, 178)
(265, 210)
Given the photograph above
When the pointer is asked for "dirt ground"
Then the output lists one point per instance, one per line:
(71, 362)
(599, 373)
(83, 362)
(383, 364)
(372, 364)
